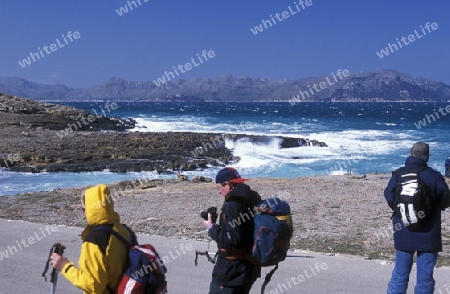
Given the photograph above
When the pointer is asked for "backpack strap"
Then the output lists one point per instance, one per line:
(128, 244)
(405, 170)
(132, 242)
(268, 278)
(238, 254)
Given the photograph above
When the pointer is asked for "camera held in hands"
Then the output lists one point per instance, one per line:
(213, 211)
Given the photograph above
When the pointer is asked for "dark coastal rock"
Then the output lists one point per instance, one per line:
(201, 179)
(285, 142)
(24, 169)
(34, 138)
(32, 114)
(118, 152)
(300, 142)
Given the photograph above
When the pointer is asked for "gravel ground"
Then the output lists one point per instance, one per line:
(332, 214)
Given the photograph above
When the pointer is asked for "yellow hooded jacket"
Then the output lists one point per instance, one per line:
(103, 257)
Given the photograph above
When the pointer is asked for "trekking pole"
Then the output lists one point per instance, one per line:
(206, 253)
(58, 249)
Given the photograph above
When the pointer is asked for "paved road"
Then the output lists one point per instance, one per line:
(302, 272)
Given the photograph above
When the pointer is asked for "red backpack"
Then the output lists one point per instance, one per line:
(145, 273)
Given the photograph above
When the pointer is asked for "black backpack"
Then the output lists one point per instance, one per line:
(412, 200)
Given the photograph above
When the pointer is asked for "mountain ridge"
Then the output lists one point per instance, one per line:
(380, 86)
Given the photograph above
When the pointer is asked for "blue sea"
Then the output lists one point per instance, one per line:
(361, 137)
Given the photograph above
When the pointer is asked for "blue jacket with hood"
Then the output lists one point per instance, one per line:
(428, 237)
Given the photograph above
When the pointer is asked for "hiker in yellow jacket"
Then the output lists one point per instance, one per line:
(103, 257)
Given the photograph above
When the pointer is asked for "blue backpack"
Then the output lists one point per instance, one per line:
(272, 234)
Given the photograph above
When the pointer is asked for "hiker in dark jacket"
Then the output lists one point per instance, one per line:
(426, 238)
(233, 273)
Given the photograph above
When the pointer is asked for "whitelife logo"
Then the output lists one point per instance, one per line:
(53, 47)
(411, 38)
(303, 95)
(428, 117)
(145, 270)
(124, 9)
(11, 250)
(86, 120)
(281, 16)
(184, 68)
(221, 139)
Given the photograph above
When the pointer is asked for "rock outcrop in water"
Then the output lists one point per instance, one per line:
(33, 114)
(36, 137)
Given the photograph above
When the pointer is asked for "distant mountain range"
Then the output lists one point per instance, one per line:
(380, 86)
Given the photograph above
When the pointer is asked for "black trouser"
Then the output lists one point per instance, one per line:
(215, 288)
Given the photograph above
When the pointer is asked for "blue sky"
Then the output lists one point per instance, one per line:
(147, 41)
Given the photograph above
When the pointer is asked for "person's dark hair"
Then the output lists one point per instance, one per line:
(421, 150)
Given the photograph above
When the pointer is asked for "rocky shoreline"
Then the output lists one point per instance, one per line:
(36, 137)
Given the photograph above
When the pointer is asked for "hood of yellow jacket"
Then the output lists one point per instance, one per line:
(99, 206)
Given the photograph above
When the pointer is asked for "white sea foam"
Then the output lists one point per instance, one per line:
(386, 124)
(347, 150)
(194, 124)
(180, 124)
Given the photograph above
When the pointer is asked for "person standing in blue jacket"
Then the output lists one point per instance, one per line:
(426, 239)
(233, 273)
(447, 167)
